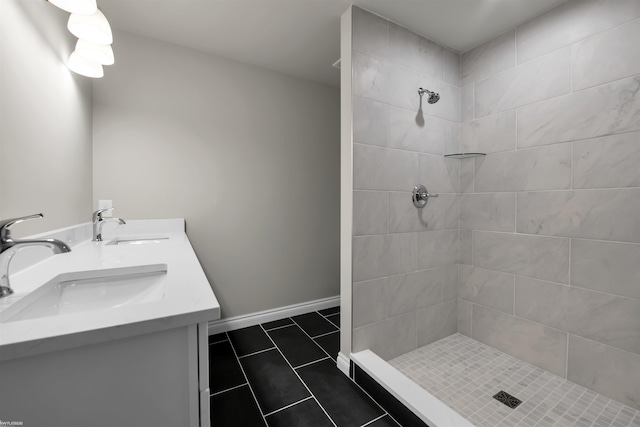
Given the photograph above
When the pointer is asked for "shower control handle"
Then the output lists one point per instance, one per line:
(420, 196)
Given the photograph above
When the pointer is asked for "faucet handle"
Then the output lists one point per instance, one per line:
(97, 215)
(5, 225)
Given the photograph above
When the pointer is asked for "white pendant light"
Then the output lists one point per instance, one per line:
(85, 67)
(81, 7)
(92, 28)
(100, 53)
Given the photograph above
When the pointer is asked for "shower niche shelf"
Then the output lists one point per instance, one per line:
(464, 155)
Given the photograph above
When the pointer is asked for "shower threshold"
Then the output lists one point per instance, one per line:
(478, 383)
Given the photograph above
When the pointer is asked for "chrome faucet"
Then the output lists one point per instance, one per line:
(99, 221)
(9, 247)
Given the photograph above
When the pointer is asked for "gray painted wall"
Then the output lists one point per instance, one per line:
(404, 259)
(550, 265)
(45, 113)
(248, 156)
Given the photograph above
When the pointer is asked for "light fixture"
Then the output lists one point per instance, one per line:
(93, 28)
(83, 66)
(100, 53)
(81, 7)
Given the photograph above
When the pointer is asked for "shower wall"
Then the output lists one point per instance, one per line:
(550, 218)
(404, 259)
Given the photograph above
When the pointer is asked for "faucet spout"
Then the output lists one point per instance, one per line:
(9, 247)
(99, 221)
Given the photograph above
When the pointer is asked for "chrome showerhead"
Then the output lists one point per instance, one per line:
(433, 97)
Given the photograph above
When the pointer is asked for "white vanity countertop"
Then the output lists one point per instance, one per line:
(188, 298)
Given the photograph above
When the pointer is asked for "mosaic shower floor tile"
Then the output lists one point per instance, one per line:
(466, 375)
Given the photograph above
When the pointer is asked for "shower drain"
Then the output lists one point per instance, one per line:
(504, 397)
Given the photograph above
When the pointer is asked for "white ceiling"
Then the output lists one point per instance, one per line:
(302, 37)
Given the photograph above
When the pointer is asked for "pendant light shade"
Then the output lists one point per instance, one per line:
(85, 67)
(80, 7)
(100, 53)
(92, 28)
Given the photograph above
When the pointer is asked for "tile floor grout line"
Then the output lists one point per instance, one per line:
(323, 335)
(317, 336)
(373, 420)
(228, 389)
(299, 378)
(255, 352)
(217, 342)
(288, 406)
(248, 383)
(280, 327)
(325, 351)
(310, 337)
(311, 363)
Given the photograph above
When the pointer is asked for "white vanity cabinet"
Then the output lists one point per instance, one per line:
(93, 360)
(153, 379)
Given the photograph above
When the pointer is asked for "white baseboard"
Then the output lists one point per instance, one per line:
(238, 322)
(343, 363)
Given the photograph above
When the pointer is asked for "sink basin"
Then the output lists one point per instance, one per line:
(91, 290)
(142, 241)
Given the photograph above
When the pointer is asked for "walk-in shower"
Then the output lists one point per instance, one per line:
(519, 282)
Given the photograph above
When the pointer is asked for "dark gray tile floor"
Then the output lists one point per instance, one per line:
(284, 374)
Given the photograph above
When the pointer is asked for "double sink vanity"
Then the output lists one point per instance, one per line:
(113, 332)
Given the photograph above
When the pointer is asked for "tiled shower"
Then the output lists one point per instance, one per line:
(533, 249)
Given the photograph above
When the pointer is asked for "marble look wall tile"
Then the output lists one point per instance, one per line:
(465, 240)
(408, 131)
(452, 67)
(403, 87)
(489, 134)
(608, 319)
(606, 266)
(606, 370)
(465, 309)
(543, 168)
(377, 168)
(369, 302)
(438, 214)
(436, 322)
(489, 211)
(492, 289)
(467, 172)
(590, 214)
(451, 137)
(409, 292)
(606, 57)
(370, 210)
(489, 58)
(571, 22)
(370, 122)
(413, 51)
(437, 248)
(439, 174)
(450, 283)
(382, 256)
(389, 338)
(371, 77)
(539, 257)
(546, 77)
(610, 161)
(466, 103)
(532, 342)
(603, 110)
(370, 33)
